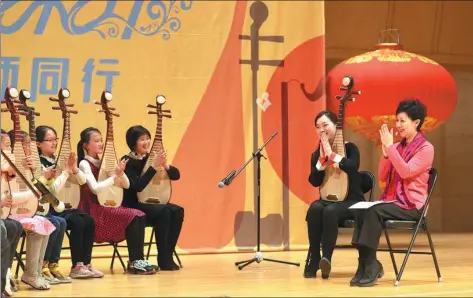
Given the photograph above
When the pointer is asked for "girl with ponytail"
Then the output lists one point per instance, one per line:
(111, 224)
(81, 225)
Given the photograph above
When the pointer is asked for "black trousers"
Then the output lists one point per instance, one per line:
(82, 227)
(167, 221)
(135, 238)
(323, 218)
(369, 222)
(10, 234)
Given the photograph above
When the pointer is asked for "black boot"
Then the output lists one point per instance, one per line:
(373, 271)
(310, 270)
(359, 272)
(325, 266)
(166, 262)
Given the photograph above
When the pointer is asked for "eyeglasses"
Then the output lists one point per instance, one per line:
(51, 140)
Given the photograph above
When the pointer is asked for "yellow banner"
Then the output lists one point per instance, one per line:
(233, 72)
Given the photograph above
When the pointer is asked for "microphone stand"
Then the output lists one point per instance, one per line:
(258, 258)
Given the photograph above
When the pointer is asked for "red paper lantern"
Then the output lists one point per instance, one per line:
(386, 76)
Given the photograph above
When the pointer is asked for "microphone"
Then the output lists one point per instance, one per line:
(225, 181)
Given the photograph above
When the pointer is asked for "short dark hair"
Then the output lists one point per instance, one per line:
(414, 109)
(330, 115)
(133, 134)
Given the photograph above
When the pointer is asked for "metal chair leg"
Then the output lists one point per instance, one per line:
(150, 244)
(19, 255)
(398, 277)
(393, 259)
(434, 256)
(113, 256)
(178, 260)
(115, 248)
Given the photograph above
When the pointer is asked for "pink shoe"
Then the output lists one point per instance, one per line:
(97, 273)
(80, 271)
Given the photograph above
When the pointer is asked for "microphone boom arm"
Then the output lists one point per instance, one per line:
(255, 154)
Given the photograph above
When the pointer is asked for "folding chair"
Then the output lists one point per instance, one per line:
(115, 251)
(151, 243)
(19, 255)
(367, 185)
(421, 224)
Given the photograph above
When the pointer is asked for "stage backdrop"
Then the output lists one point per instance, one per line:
(212, 60)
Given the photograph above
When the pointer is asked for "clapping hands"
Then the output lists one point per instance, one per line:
(386, 137)
(160, 159)
(326, 149)
(120, 168)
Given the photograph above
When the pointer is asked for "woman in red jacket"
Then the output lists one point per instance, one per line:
(404, 167)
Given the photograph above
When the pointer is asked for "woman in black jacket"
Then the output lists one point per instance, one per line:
(165, 218)
(323, 216)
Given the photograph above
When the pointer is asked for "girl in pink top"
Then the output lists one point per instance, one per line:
(404, 167)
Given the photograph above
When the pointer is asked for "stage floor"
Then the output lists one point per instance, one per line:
(214, 275)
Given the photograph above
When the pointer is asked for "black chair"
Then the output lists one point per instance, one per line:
(150, 242)
(19, 255)
(367, 185)
(415, 226)
(115, 251)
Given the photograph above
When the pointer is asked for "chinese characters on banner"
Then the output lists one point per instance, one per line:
(49, 74)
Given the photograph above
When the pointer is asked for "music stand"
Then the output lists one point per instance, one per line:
(258, 258)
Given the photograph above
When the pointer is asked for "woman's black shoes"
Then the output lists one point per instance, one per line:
(367, 274)
(325, 267)
(310, 270)
(359, 273)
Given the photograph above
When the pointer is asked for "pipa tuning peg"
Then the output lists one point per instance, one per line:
(338, 97)
(152, 113)
(100, 110)
(151, 106)
(167, 116)
(97, 103)
(53, 99)
(166, 111)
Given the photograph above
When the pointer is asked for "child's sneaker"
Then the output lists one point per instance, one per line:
(81, 271)
(48, 276)
(54, 269)
(140, 267)
(150, 266)
(97, 273)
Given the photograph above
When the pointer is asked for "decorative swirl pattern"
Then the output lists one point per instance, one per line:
(108, 24)
(113, 29)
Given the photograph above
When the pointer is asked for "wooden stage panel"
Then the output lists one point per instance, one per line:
(214, 275)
